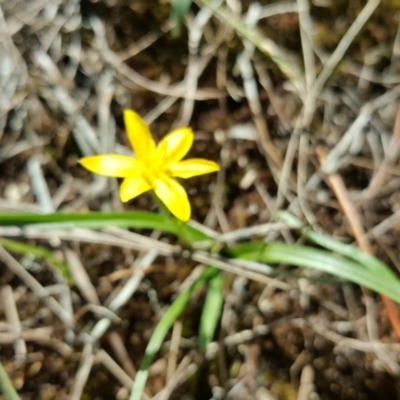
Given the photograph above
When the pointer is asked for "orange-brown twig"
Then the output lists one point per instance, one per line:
(338, 187)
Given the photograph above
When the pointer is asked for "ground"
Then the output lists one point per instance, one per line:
(299, 106)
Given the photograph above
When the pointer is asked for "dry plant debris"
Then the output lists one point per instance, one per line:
(267, 87)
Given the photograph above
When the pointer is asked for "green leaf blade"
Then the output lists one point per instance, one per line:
(211, 310)
(308, 257)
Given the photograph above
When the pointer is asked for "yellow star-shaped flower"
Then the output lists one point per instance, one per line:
(153, 167)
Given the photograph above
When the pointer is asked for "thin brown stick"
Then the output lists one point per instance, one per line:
(352, 215)
(121, 353)
(174, 350)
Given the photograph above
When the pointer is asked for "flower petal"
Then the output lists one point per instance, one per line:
(192, 167)
(139, 135)
(113, 165)
(176, 144)
(133, 187)
(174, 196)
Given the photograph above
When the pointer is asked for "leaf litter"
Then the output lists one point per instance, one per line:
(69, 68)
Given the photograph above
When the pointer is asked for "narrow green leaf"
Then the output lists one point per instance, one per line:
(308, 257)
(352, 252)
(211, 310)
(162, 328)
(99, 220)
(6, 386)
(178, 11)
(345, 249)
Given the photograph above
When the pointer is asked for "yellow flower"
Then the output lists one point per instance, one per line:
(154, 167)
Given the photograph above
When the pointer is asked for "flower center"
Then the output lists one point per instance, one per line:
(152, 168)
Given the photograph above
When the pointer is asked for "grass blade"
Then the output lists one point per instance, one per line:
(211, 310)
(6, 385)
(308, 257)
(348, 250)
(99, 220)
(178, 12)
(162, 329)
